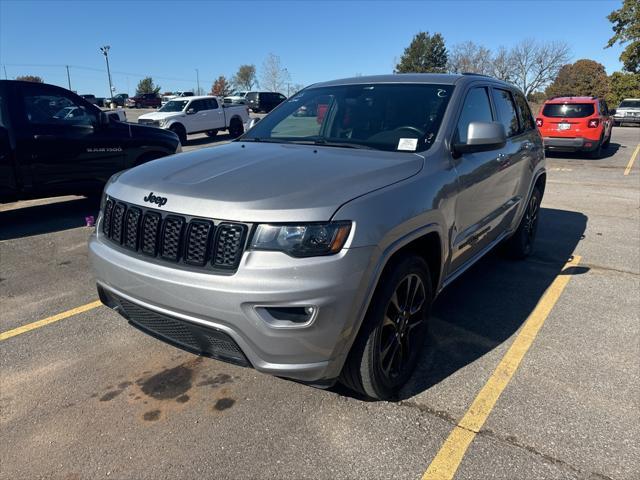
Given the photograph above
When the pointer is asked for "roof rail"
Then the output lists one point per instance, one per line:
(476, 74)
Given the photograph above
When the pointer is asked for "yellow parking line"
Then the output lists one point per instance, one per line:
(631, 160)
(446, 462)
(48, 320)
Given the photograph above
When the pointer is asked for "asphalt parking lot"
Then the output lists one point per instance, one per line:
(531, 369)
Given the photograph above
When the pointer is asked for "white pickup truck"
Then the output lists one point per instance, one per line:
(187, 115)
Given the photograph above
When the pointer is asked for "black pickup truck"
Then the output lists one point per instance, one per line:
(53, 142)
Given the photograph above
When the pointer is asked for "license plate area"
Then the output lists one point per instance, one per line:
(564, 126)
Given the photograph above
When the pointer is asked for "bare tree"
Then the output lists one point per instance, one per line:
(274, 76)
(535, 65)
(502, 65)
(470, 57)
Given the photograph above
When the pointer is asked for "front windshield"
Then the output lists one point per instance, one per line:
(391, 117)
(630, 104)
(174, 106)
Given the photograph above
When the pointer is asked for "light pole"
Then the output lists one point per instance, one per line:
(105, 52)
(287, 78)
(198, 81)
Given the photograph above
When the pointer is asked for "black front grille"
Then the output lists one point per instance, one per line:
(202, 340)
(174, 238)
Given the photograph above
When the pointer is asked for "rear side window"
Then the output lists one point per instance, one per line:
(251, 95)
(45, 107)
(524, 113)
(568, 110)
(476, 108)
(212, 103)
(506, 110)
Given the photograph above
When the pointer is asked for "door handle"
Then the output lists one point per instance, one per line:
(43, 137)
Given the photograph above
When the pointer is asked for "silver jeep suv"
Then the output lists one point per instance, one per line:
(313, 246)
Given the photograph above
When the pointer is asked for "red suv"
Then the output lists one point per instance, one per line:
(575, 124)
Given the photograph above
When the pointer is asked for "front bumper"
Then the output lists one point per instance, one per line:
(626, 119)
(570, 143)
(312, 352)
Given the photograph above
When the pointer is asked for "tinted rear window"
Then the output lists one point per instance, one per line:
(251, 95)
(568, 110)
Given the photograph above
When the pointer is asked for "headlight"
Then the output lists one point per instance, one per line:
(164, 122)
(113, 178)
(307, 240)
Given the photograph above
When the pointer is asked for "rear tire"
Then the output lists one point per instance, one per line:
(520, 244)
(236, 128)
(393, 331)
(597, 153)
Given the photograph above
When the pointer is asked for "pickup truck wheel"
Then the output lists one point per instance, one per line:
(236, 128)
(180, 132)
(211, 133)
(393, 331)
(520, 245)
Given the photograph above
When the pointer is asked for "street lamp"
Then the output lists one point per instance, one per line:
(198, 81)
(105, 52)
(287, 78)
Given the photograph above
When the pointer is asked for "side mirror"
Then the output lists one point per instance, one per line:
(252, 122)
(482, 136)
(191, 111)
(104, 119)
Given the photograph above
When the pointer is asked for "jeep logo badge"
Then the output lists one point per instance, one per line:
(151, 198)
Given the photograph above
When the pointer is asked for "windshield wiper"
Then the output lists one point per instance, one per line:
(258, 139)
(323, 142)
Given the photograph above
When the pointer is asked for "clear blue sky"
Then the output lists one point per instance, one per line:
(315, 40)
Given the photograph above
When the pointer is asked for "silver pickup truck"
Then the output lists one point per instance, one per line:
(314, 245)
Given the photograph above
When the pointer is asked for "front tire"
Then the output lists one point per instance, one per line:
(520, 245)
(387, 348)
(180, 132)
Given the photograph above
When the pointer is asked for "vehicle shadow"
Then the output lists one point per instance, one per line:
(47, 218)
(608, 152)
(490, 302)
(486, 305)
(206, 141)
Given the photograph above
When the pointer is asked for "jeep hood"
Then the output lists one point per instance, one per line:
(262, 182)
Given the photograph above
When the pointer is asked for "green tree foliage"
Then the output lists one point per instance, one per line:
(221, 87)
(626, 29)
(621, 86)
(245, 78)
(425, 54)
(30, 78)
(582, 78)
(146, 85)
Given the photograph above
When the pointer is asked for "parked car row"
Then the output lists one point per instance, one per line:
(257, 101)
